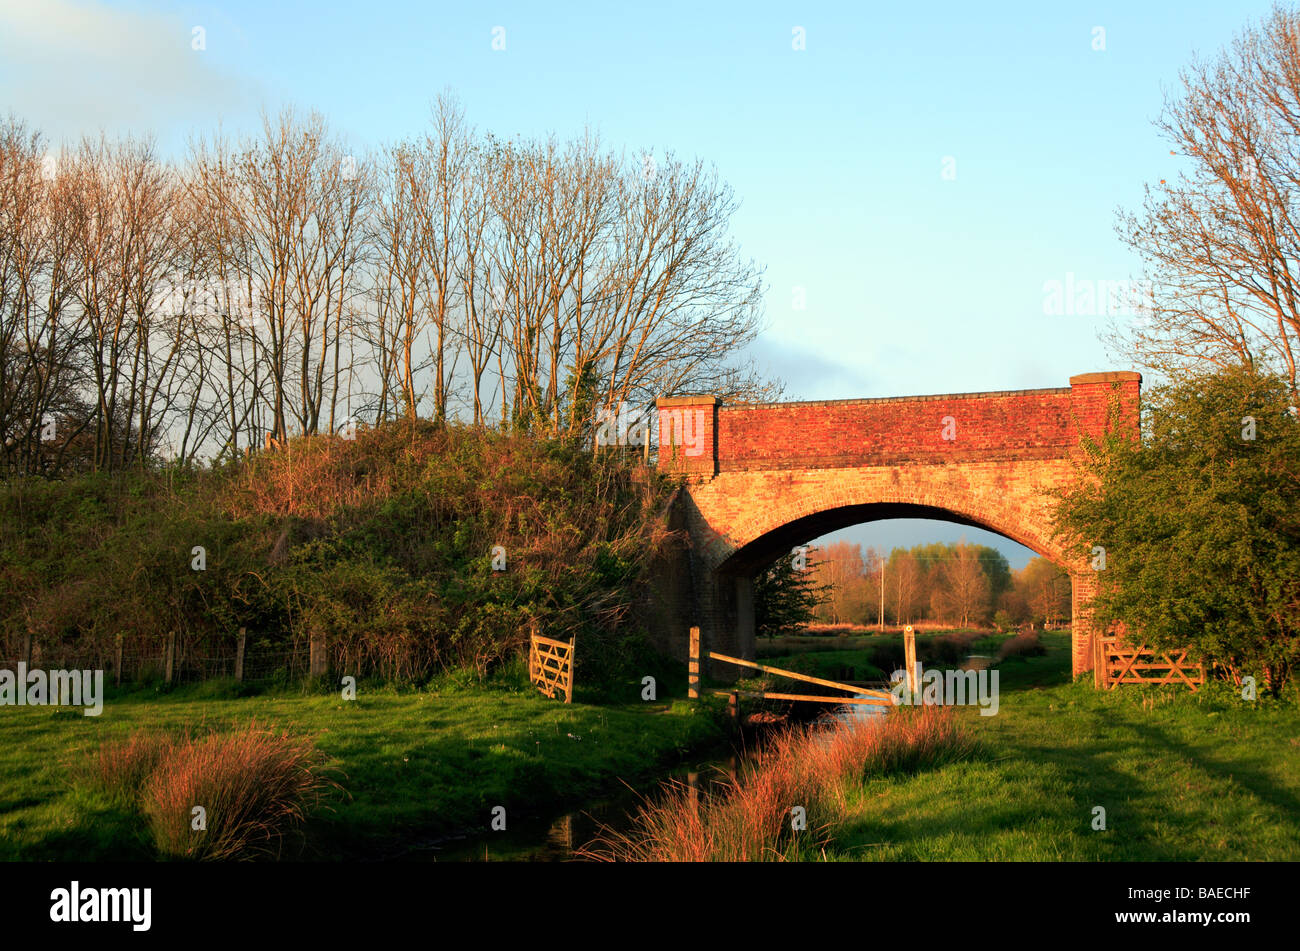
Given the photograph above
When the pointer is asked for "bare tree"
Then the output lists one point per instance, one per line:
(842, 567)
(963, 594)
(260, 285)
(1045, 589)
(399, 282)
(41, 372)
(215, 293)
(904, 579)
(483, 326)
(124, 239)
(446, 158)
(1220, 243)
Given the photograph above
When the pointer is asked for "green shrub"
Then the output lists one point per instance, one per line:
(382, 544)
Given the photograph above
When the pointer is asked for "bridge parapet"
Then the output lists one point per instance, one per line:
(706, 438)
(688, 435)
(1091, 396)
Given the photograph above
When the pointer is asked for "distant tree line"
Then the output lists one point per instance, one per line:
(279, 284)
(960, 584)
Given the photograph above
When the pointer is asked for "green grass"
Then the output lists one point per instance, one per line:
(1182, 777)
(834, 665)
(770, 647)
(414, 763)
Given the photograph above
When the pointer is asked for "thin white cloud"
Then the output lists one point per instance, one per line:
(72, 68)
(807, 375)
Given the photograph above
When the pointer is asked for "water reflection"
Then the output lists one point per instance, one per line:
(858, 714)
(557, 838)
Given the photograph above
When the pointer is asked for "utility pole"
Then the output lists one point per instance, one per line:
(882, 594)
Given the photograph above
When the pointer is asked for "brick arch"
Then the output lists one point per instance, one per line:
(759, 479)
(806, 519)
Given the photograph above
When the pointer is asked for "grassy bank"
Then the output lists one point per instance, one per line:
(1181, 777)
(414, 764)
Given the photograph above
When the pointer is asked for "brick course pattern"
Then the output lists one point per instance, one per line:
(761, 479)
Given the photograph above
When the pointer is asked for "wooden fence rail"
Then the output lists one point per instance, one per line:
(858, 695)
(1120, 663)
(873, 696)
(550, 665)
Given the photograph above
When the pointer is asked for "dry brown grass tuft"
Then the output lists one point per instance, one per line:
(751, 818)
(120, 767)
(254, 785)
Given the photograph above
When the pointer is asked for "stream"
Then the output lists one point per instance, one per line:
(559, 836)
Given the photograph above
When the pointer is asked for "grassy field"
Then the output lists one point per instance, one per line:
(1180, 776)
(414, 764)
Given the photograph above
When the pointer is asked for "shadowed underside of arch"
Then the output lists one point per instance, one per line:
(759, 553)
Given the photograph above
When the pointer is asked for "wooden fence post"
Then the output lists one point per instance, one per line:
(909, 659)
(239, 654)
(532, 650)
(693, 666)
(733, 707)
(317, 654)
(117, 661)
(568, 680)
(1098, 667)
(170, 663)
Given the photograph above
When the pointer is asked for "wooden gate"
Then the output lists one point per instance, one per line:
(861, 694)
(550, 665)
(1118, 663)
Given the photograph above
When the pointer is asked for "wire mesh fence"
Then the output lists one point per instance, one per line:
(255, 659)
(174, 661)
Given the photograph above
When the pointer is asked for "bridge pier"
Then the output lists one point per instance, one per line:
(725, 606)
(1083, 585)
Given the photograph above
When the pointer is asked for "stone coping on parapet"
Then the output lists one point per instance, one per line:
(687, 400)
(1050, 391)
(1107, 376)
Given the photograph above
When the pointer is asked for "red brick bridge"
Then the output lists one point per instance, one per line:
(763, 479)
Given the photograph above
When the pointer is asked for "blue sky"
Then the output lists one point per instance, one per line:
(914, 282)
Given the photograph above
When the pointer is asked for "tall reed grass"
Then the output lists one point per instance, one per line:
(253, 786)
(120, 768)
(752, 817)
